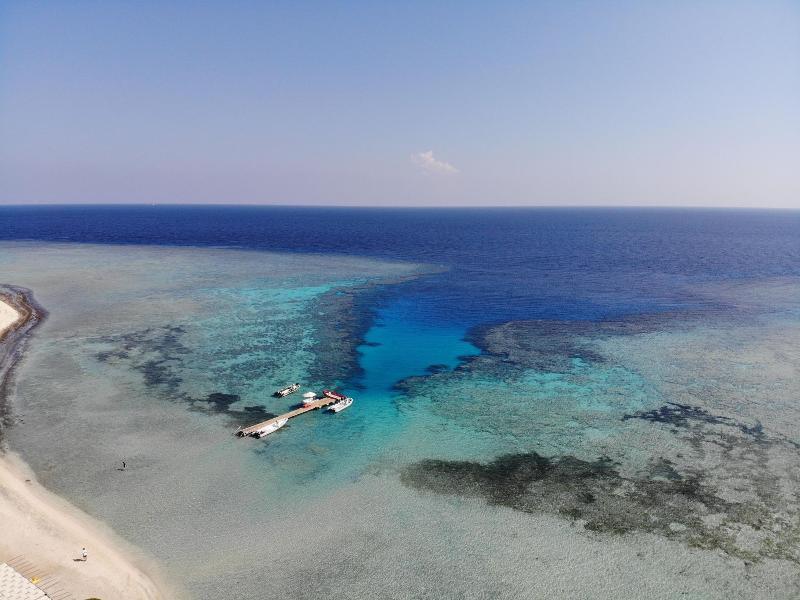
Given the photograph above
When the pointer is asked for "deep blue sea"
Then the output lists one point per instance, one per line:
(499, 264)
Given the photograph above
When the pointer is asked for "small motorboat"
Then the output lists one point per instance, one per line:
(333, 395)
(287, 390)
(271, 428)
(340, 405)
(309, 398)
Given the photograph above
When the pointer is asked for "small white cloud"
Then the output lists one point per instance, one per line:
(427, 162)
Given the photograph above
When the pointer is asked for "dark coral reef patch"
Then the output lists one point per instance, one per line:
(597, 496)
(154, 352)
(157, 354)
(218, 403)
(680, 415)
(592, 491)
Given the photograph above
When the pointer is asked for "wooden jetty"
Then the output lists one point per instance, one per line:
(325, 401)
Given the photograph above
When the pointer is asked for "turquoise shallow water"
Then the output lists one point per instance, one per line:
(398, 347)
(394, 348)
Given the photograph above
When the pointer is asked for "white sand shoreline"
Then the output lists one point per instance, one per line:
(8, 316)
(49, 532)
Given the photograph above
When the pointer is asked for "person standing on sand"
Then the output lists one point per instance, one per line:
(123, 465)
(84, 554)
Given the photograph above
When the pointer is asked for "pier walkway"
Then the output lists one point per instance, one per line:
(293, 413)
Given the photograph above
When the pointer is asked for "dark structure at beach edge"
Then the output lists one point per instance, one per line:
(12, 341)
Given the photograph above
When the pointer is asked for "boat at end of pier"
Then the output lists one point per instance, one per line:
(287, 390)
(340, 405)
(271, 428)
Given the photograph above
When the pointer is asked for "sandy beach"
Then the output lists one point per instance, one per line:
(49, 532)
(8, 316)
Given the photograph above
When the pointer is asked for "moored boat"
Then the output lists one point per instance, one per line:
(271, 428)
(309, 398)
(287, 390)
(340, 405)
(334, 395)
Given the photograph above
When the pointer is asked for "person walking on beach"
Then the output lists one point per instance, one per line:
(123, 465)
(84, 554)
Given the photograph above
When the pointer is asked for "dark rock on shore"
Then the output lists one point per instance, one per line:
(13, 340)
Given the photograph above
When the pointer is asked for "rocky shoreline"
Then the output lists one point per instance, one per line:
(13, 339)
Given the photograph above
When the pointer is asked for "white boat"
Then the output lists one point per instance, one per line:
(287, 390)
(340, 405)
(309, 397)
(271, 428)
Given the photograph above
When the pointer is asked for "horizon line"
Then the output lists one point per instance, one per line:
(402, 206)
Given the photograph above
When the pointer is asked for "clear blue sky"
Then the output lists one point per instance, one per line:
(418, 103)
